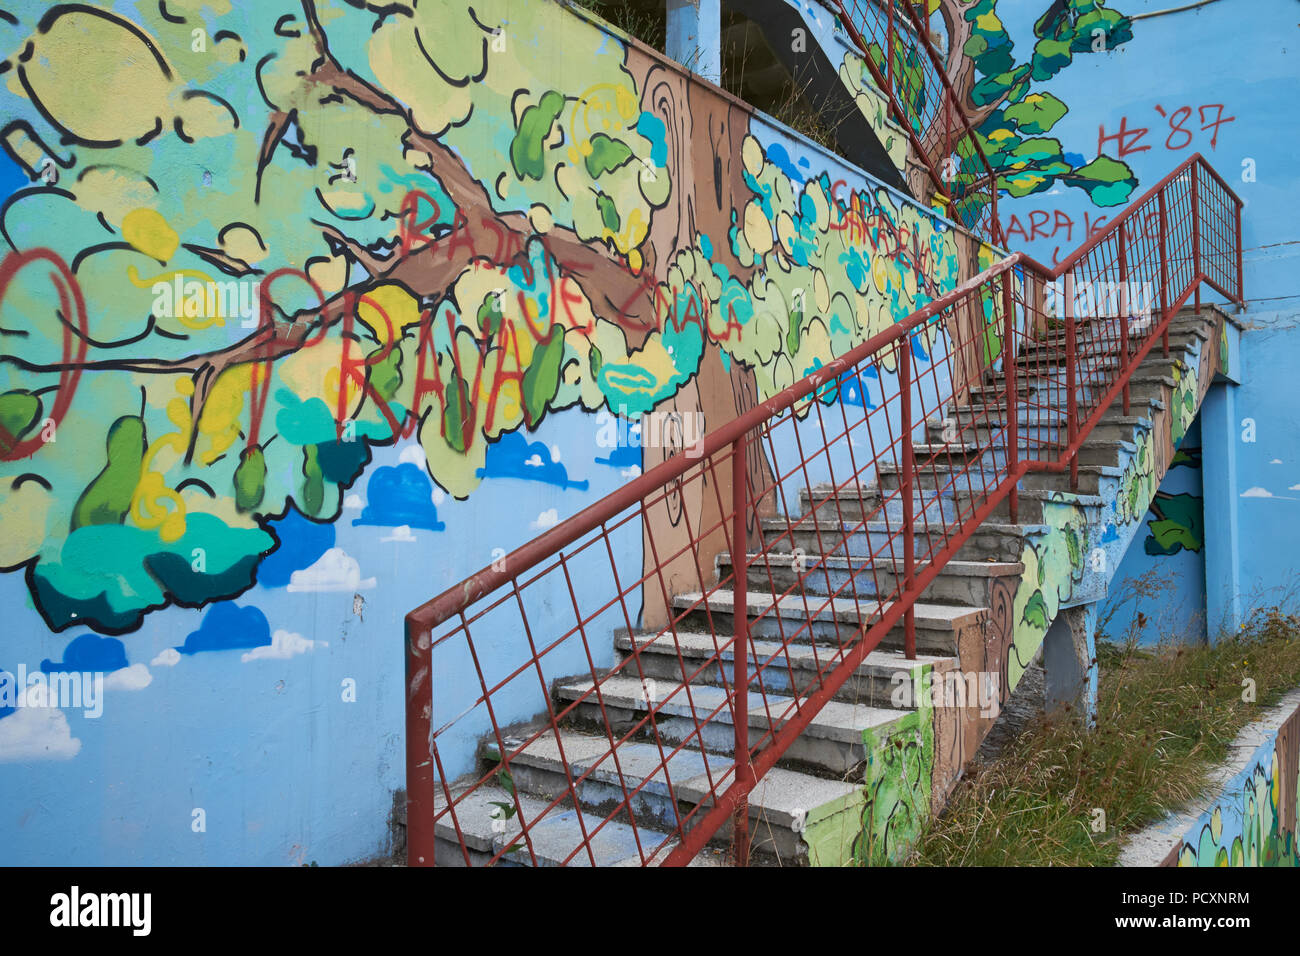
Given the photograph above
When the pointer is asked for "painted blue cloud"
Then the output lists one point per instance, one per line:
(623, 456)
(400, 495)
(778, 155)
(301, 542)
(90, 652)
(853, 391)
(514, 456)
(227, 626)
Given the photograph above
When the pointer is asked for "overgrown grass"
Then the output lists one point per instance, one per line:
(1165, 717)
(645, 21)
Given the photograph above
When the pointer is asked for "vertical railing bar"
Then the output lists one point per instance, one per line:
(907, 468)
(1013, 407)
(1123, 311)
(1071, 382)
(1164, 271)
(740, 650)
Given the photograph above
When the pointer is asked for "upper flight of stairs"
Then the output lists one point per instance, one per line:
(824, 768)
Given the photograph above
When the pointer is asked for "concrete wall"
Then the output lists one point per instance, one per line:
(308, 313)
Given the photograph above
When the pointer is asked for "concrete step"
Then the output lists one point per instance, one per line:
(830, 746)
(1031, 502)
(489, 820)
(806, 618)
(784, 665)
(776, 805)
(812, 535)
(959, 582)
(956, 479)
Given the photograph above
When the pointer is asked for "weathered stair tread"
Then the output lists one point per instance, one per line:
(778, 796)
(555, 835)
(812, 520)
(837, 720)
(844, 610)
(696, 645)
(986, 569)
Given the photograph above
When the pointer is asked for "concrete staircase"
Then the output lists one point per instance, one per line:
(821, 776)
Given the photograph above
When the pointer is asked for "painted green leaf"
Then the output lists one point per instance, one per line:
(543, 375)
(313, 489)
(534, 126)
(107, 499)
(455, 413)
(607, 154)
(1107, 181)
(250, 479)
(1177, 525)
(1036, 610)
(1036, 114)
(489, 316)
(19, 411)
(386, 374)
(608, 212)
(1072, 546)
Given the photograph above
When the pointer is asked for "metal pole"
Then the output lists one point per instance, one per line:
(1123, 310)
(1009, 371)
(1071, 399)
(419, 760)
(1241, 284)
(1196, 236)
(1164, 273)
(740, 649)
(907, 467)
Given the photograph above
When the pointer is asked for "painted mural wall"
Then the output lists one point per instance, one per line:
(1252, 822)
(309, 310)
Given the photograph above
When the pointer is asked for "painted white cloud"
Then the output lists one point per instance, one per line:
(412, 454)
(1294, 488)
(37, 733)
(1258, 492)
(283, 646)
(1276, 461)
(335, 570)
(353, 502)
(555, 453)
(547, 519)
(168, 658)
(534, 461)
(135, 677)
(401, 533)
(438, 496)
(633, 472)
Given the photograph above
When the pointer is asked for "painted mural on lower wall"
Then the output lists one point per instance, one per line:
(1252, 821)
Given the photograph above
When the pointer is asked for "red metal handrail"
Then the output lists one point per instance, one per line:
(878, 21)
(1182, 233)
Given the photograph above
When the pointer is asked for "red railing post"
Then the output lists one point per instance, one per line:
(1013, 406)
(1123, 309)
(1071, 381)
(906, 472)
(740, 649)
(889, 56)
(1241, 284)
(1164, 271)
(1196, 237)
(419, 759)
